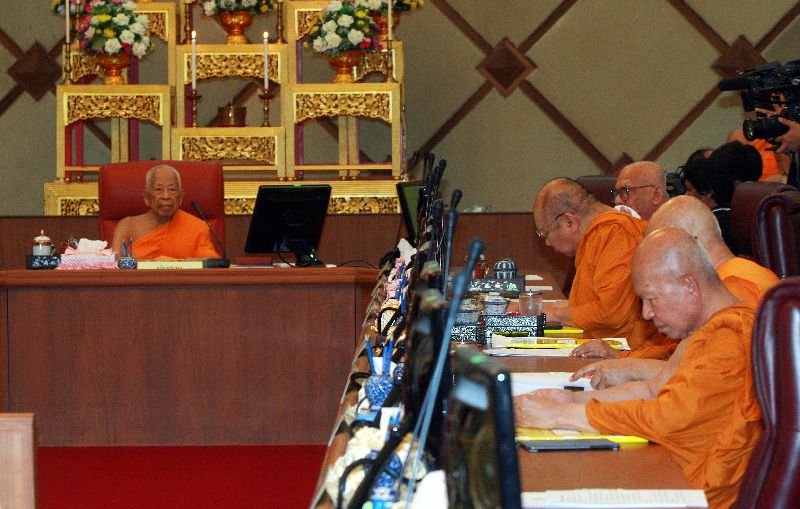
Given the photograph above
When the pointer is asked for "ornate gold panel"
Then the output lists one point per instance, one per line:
(357, 104)
(233, 65)
(304, 20)
(247, 148)
(157, 24)
(91, 106)
(83, 65)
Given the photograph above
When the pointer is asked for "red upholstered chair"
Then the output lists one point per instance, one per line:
(121, 186)
(746, 200)
(600, 186)
(771, 479)
(778, 235)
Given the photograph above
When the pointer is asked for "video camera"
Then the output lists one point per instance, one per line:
(764, 87)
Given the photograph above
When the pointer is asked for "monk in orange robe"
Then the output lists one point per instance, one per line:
(745, 279)
(165, 231)
(602, 240)
(702, 405)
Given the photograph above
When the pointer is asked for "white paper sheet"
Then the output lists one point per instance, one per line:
(527, 382)
(616, 498)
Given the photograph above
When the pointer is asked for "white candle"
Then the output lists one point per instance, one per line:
(389, 17)
(66, 16)
(266, 61)
(194, 60)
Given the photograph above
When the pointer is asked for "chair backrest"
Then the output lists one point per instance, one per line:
(121, 186)
(746, 200)
(600, 186)
(779, 233)
(771, 479)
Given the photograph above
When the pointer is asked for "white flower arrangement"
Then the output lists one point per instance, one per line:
(344, 26)
(112, 27)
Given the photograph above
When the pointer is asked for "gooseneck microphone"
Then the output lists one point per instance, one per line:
(452, 217)
(219, 262)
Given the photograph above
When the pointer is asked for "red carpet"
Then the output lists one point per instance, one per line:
(178, 477)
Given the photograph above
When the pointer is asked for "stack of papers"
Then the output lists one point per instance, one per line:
(517, 352)
(527, 382)
(572, 434)
(617, 498)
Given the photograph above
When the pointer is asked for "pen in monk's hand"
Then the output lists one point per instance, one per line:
(369, 356)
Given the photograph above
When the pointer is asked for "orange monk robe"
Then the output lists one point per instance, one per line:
(769, 161)
(185, 236)
(602, 300)
(707, 414)
(746, 280)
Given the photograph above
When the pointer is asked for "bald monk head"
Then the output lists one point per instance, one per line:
(562, 211)
(163, 193)
(693, 216)
(641, 186)
(677, 282)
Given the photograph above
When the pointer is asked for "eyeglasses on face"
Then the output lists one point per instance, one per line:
(546, 233)
(625, 192)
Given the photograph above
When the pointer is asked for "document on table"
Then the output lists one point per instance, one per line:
(527, 382)
(518, 352)
(616, 498)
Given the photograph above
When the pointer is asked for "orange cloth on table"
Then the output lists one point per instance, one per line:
(602, 299)
(745, 279)
(769, 162)
(185, 236)
(707, 414)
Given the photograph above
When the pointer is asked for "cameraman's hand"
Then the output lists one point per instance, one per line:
(791, 140)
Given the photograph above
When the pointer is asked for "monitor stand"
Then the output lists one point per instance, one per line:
(305, 256)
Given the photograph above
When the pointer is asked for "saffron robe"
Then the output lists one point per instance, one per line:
(602, 301)
(185, 236)
(707, 414)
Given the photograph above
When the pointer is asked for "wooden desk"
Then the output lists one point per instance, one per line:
(194, 357)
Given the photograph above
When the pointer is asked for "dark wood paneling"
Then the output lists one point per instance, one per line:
(345, 238)
(181, 364)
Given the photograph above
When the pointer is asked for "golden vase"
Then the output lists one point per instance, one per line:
(112, 67)
(344, 63)
(383, 25)
(235, 23)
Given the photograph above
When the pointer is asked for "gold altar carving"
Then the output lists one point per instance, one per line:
(83, 65)
(305, 19)
(356, 104)
(92, 106)
(157, 24)
(233, 65)
(204, 148)
(372, 62)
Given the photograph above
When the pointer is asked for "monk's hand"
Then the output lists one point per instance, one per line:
(535, 410)
(595, 348)
(555, 395)
(603, 374)
(557, 311)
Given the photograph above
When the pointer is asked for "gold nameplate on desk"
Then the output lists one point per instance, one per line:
(169, 264)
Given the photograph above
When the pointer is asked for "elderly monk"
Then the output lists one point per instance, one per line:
(747, 280)
(602, 240)
(165, 231)
(641, 186)
(702, 405)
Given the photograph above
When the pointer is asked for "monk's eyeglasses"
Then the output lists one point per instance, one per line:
(546, 233)
(624, 192)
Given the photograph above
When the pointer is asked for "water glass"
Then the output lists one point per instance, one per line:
(530, 304)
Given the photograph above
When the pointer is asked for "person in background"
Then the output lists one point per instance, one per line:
(164, 231)
(713, 186)
(774, 166)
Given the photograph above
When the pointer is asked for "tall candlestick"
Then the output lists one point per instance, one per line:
(389, 17)
(66, 16)
(266, 61)
(194, 60)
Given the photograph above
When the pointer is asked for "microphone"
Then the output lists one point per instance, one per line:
(222, 263)
(455, 199)
(475, 250)
(452, 217)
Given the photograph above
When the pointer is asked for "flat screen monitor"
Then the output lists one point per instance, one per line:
(289, 219)
(408, 195)
(480, 452)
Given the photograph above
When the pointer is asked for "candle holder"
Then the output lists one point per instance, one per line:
(266, 97)
(194, 96)
(67, 63)
(389, 63)
(279, 24)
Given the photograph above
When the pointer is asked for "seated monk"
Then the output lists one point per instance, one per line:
(164, 231)
(746, 280)
(602, 240)
(642, 186)
(702, 405)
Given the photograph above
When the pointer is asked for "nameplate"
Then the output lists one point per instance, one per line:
(169, 264)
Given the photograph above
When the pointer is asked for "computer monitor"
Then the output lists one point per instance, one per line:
(289, 218)
(408, 195)
(480, 454)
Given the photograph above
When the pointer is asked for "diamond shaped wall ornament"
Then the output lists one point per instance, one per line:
(739, 57)
(505, 67)
(35, 71)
